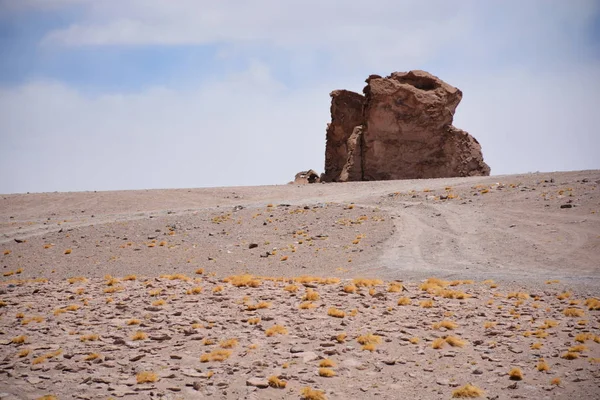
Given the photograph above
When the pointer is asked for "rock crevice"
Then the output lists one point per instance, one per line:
(401, 128)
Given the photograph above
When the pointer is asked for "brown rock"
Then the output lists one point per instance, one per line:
(305, 177)
(346, 114)
(401, 129)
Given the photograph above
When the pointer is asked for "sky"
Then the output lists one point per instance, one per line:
(142, 94)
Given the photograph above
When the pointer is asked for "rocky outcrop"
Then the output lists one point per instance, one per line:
(305, 177)
(346, 114)
(400, 129)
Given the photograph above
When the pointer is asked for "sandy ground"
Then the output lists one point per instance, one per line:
(533, 239)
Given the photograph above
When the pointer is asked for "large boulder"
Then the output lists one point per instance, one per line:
(400, 129)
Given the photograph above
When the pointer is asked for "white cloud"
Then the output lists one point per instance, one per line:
(245, 130)
(529, 89)
(362, 32)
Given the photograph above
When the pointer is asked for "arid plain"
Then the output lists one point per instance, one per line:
(425, 289)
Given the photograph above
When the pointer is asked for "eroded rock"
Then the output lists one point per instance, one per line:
(400, 129)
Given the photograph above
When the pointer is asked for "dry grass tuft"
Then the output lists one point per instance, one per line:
(445, 324)
(540, 334)
(536, 346)
(134, 321)
(23, 353)
(573, 312)
(19, 339)
(549, 323)
(341, 338)
(582, 337)
(326, 363)
(438, 343)
(362, 282)
(404, 301)
(139, 335)
(194, 290)
(37, 319)
(245, 280)
(92, 337)
(277, 383)
(543, 366)
(77, 279)
(306, 305)
(414, 340)
(433, 284)
(395, 287)
(258, 306)
(91, 357)
(467, 392)
(592, 303)
(455, 341)
(130, 278)
(563, 296)
(518, 295)
(515, 374)
(312, 394)
(291, 288)
(276, 330)
(369, 347)
(159, 303)
(146, 377)
(334, 312)
(311, 295)
(326, 372)
(580, 348)
(46, 356)
(200, 271)
(489, 324)
(350, 288)
(315, 279)
(228, 344)
(369, 338)
(426, 303)
(254, 321)
(216, 355)
(555, 381)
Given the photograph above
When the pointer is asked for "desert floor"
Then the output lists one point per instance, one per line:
(262, 292)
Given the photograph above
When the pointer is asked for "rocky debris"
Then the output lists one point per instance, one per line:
(231, 355)
(306, 177)
(400, 129)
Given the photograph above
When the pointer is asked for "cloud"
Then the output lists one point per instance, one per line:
(527, 69)
(245, 130)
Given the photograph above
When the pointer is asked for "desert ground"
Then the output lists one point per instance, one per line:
(482, 287)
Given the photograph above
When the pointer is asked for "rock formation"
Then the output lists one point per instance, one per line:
(400, 129)
(305, 177)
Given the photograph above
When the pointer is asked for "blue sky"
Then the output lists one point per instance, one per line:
(137, 94)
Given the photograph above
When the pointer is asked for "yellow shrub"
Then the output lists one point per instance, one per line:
(334, 312)
(467, 391)
(146, 377)
(276, 330)
(515, 374)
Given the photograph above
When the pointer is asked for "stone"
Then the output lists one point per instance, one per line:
(400, 129)
(258, 382)
(306, 177)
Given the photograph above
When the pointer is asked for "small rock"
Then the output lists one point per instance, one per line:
(258, 382)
